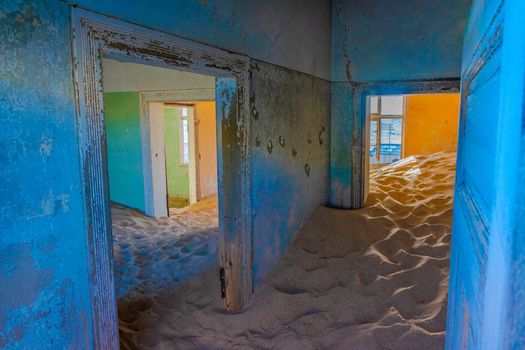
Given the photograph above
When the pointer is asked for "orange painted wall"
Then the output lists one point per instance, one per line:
(430, 123)
(207, 147)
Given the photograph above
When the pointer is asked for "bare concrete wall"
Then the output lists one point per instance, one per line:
(290, 143)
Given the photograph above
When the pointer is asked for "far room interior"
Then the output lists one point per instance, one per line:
(401, 126)
(412, 145)
(162, 169)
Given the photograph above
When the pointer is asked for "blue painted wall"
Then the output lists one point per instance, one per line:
(342, 107)
(42, 240)
(43, 271)
(397, 40)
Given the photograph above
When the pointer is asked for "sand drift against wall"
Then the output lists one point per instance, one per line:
(374, 278)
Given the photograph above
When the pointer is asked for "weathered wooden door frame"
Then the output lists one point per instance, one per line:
(165, 97)
(493, 318)
(467, 200)
(360, 124)
(95, 36)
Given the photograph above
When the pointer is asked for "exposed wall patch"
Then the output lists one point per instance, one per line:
(255, 113)
(281, 141)
(269, 146)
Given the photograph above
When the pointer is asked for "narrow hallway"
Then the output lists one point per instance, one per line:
(373, 278)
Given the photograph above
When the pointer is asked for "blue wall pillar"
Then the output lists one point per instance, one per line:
(341, 144)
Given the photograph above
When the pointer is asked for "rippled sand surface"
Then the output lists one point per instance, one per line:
(374, 278)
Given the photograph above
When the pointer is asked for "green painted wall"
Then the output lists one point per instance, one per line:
(123, 137)
(178, 176)
(126, 178)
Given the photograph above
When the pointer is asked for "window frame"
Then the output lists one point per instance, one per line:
(181, 120)
(377, 117)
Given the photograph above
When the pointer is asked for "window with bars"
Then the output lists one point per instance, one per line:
(386, 127)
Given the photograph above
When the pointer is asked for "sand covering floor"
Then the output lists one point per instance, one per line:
(374, 278)
(154, 254)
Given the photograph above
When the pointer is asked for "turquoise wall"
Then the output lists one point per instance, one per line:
(124, 148)
(177, 174)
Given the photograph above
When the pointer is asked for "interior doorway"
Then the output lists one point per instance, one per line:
(157, 252)
(182, 154)
(94, 37)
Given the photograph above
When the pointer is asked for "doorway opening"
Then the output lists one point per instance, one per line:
(179, 138)
(97, 37)
(180, 153)
(159, 246)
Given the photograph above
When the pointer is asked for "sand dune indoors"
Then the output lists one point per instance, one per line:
(374, 278)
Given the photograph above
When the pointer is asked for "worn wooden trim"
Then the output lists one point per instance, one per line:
(182, 95)
(490, 41)
(479, 227)
(360, 158)
(94, 36)
(467, 199)
(154, 168)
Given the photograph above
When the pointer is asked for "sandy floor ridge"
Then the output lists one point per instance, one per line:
(374, 278)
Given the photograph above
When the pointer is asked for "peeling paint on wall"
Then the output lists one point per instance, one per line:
(272, 31)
